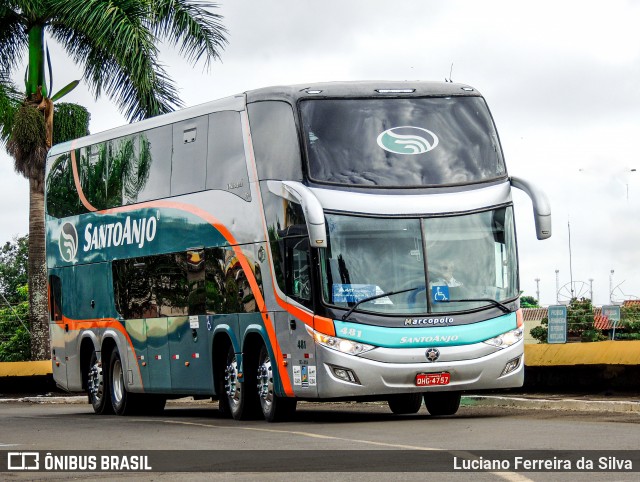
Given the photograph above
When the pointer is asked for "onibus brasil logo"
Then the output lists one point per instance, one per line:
(407, 140)
(68, 242)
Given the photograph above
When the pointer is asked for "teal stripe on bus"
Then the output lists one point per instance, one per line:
(407, 337)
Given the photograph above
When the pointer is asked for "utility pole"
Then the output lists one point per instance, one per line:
(570, 262)
(537, 280)
(611, 287)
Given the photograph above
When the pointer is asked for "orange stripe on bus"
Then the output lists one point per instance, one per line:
(77, 325)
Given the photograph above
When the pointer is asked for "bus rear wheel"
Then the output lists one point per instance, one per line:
(405, 403)
(123, 402)
(98, 386)
(442, 403)
(274, 408)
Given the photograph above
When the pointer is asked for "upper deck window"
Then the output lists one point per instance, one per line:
(275, 140)
(401, 142)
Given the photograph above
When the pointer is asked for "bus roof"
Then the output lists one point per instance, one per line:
(380, 88)
(288, 93)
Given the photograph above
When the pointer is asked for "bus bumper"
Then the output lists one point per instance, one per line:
(342, 375)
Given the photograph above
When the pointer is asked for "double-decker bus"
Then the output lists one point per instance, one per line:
(337, 241)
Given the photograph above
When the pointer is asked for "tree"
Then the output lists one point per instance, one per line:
(14, 308)
(114, 43)
(13, 269)
(528, 302)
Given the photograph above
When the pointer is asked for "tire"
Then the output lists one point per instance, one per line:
(442, 403)
(123, 402)
(274, 408)
(234, 398)
(97, 384)
(406, 403)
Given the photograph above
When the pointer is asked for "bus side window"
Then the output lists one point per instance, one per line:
(275, 140)
(298, 269)
(226, 163)
(196, 281)
(55, 298)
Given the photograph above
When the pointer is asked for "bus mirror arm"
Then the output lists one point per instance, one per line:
(541, 206)
(313, 213)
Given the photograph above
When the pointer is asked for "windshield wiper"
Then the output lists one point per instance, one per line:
(371, 298)
(495, 303)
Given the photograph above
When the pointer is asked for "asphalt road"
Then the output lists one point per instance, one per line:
(351, 433)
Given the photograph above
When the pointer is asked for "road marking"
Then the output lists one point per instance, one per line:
(509, 476)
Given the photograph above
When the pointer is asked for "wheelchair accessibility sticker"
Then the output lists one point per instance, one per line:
(440, 293)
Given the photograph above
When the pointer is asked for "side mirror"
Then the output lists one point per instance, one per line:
(541, 206)
(313, 213)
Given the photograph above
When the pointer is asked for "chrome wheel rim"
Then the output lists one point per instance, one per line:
(231, 385)
(118, 382)
(95, 381)
(265, 384)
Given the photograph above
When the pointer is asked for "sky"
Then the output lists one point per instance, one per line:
(562, 80)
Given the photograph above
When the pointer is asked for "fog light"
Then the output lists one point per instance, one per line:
(344, 374)
(511, 366)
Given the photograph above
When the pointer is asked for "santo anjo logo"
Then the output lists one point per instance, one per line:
(68, 242)
(407, 140)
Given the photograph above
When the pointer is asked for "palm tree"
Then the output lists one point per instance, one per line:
(114, 44)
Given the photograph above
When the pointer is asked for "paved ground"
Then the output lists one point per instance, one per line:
(618, 402)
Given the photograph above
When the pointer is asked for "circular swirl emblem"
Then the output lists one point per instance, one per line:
(68, 242)
(408, 140)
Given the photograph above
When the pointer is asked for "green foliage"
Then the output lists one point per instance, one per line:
(528, 302)
(540, 332)
(10, 100)
(629, 327)
(14, 334)
(14, 305)
(13, 269)
(29, 129)
(579, 317)
(592, 334)
(27, 143)
(71, 121)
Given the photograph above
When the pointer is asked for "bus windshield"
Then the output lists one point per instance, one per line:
(438, 260)
(401, 142)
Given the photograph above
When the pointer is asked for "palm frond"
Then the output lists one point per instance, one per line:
(191, 24)
(10, 100)
(13, 37)
(117, 52)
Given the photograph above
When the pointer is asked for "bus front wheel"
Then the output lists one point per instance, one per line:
(442, 403)
(405, 403)
(274, 408)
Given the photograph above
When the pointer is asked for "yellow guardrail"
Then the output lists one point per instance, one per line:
(596, 353)
(25, 369)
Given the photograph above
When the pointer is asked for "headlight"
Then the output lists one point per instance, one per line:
(506, 339)
(349, 347)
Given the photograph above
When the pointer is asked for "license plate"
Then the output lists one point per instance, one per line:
(428, 379)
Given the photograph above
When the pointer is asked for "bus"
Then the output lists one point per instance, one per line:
(335, 241)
